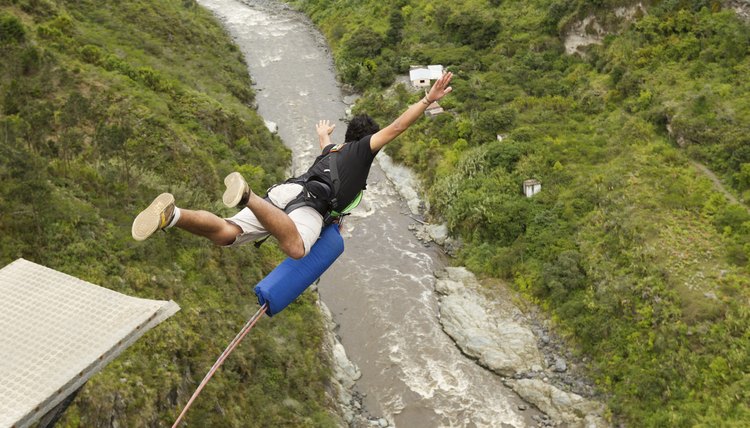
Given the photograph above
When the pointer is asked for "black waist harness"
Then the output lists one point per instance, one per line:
(317, 192)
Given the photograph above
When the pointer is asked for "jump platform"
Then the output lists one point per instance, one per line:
(56, 331)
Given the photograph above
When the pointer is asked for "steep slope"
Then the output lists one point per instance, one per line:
(642, 262)
(104, 105)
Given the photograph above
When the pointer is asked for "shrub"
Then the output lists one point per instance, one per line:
(11, 29)
(496, 120)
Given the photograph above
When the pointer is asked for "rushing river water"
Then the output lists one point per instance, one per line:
(381, 290)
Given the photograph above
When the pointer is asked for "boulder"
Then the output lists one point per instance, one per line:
(271, 126)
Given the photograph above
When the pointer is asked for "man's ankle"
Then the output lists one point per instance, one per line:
(175, 218)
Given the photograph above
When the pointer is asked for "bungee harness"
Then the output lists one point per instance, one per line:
(318, 193)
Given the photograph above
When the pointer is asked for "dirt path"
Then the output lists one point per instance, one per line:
(718, 184)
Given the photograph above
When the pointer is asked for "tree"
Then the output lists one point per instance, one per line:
(364, 43)
(496, 120)
(472, 27)
(394, 34)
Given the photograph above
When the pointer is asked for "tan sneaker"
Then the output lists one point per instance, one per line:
(238, 192)
(157, 216)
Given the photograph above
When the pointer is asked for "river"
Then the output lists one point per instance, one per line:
(381, 289)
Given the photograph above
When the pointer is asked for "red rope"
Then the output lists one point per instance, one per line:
(237, 339)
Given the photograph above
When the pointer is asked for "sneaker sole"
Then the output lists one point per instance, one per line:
(148, 221)
(235, 189)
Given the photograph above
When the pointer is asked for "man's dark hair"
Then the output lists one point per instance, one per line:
(360, 126)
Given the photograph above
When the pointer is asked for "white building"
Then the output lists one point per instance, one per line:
(420, 77)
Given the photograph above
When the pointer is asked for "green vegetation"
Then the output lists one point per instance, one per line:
(104, 105)
(640, 260)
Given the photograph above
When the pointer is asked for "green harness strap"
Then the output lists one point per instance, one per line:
(349, 207)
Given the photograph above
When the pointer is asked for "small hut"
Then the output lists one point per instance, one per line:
(531, 187)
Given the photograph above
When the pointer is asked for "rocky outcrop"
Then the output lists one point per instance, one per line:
(740, 7)
(437, 233)
(501, 338)
(271, 126)
(404, 181)
(586, 32)
(591, 30)
(482, 329)
(564, 407)
(345, 373)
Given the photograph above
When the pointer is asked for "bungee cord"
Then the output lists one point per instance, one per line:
(233, 344)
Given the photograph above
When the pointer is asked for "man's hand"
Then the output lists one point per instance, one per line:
(440, 88)
(324, 127)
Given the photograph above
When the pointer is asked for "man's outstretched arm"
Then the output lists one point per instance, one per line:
(414, 112)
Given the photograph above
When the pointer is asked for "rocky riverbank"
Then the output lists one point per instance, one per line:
(517, 347)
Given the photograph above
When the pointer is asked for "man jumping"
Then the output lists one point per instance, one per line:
(293, 212)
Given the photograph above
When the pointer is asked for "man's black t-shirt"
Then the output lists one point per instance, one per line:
(353, 161)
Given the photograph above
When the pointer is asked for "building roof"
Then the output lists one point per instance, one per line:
(430, 73)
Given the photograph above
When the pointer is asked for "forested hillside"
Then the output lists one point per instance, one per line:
(638, 257)
(104, 105)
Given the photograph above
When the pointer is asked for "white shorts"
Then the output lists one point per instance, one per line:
(309, 222)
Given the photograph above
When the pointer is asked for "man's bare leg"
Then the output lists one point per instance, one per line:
(208, 225)
(222, 232)
(278, 224)
(162, 214)
(275, 221)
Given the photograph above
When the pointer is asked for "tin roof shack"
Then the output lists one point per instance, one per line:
(433, 109)
(531, 187)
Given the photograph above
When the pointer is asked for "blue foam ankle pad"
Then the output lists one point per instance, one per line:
(285, 283)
